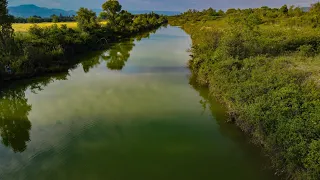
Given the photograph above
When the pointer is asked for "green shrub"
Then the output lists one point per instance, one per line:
(306, 50)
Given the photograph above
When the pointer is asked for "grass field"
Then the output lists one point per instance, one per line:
(24, 27)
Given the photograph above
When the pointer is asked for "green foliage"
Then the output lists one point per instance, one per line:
(7, 45)
(293, 16)
(267, 75)
(231, 11)
(87, 20)
(284, 9)
(306, 50)
(38, 19)
(55, 18)
(221, 12)
(6, 30)
(34, 19)
(111, 10)
(315, 8)
(124, 21)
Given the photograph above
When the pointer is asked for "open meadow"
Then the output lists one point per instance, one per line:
(24, 27)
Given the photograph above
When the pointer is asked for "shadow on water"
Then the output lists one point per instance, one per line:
(115, 57)
(15, 125)
(14, 110)
(231, 131)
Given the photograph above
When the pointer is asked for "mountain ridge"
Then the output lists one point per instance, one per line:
(28, 10)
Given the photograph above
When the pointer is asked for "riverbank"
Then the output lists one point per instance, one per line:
(65, 61)
(268, 78)
(51, 49)
(47, 55)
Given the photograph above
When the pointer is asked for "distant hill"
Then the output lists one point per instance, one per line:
(31, 10)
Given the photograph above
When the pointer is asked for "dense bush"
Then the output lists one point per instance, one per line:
(38, 19)
(268, 77)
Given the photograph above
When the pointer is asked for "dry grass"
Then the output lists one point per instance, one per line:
(24, 27)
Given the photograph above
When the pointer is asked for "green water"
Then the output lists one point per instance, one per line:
(126, 113)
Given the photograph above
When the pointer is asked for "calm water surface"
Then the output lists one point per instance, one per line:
(127, 113)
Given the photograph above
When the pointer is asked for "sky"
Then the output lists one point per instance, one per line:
(170, 5)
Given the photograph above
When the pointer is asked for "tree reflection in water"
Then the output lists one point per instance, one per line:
(118, 55)
(89, 63)
(14, 110)
(14, 122)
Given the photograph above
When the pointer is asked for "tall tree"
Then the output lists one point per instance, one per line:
(111, 10)
(6, 30)
(220, 12)
(315, 8)
(231, 11)
(55, 18)
(315, 14)
(210, 12)
(284, 9)
(87, 19)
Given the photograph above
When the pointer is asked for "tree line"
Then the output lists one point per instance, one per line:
(294, 16)
(49, 49)
(38, 19)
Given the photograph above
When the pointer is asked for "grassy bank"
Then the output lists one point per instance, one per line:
(267, 73)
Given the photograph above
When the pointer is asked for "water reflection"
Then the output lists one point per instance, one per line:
(14, 107)
(14, 110)
(90, 63)
(144, 35)
(232, 132)
(14, 122)
(118, 55)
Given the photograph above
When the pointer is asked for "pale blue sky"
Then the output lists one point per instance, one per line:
(175, 5)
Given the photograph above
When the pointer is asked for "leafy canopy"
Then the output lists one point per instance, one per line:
(87, 19)
(6, 30)
(111, 10)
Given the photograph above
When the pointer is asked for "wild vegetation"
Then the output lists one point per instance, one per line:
(38, 19)
(48, 49)
(264, 65)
